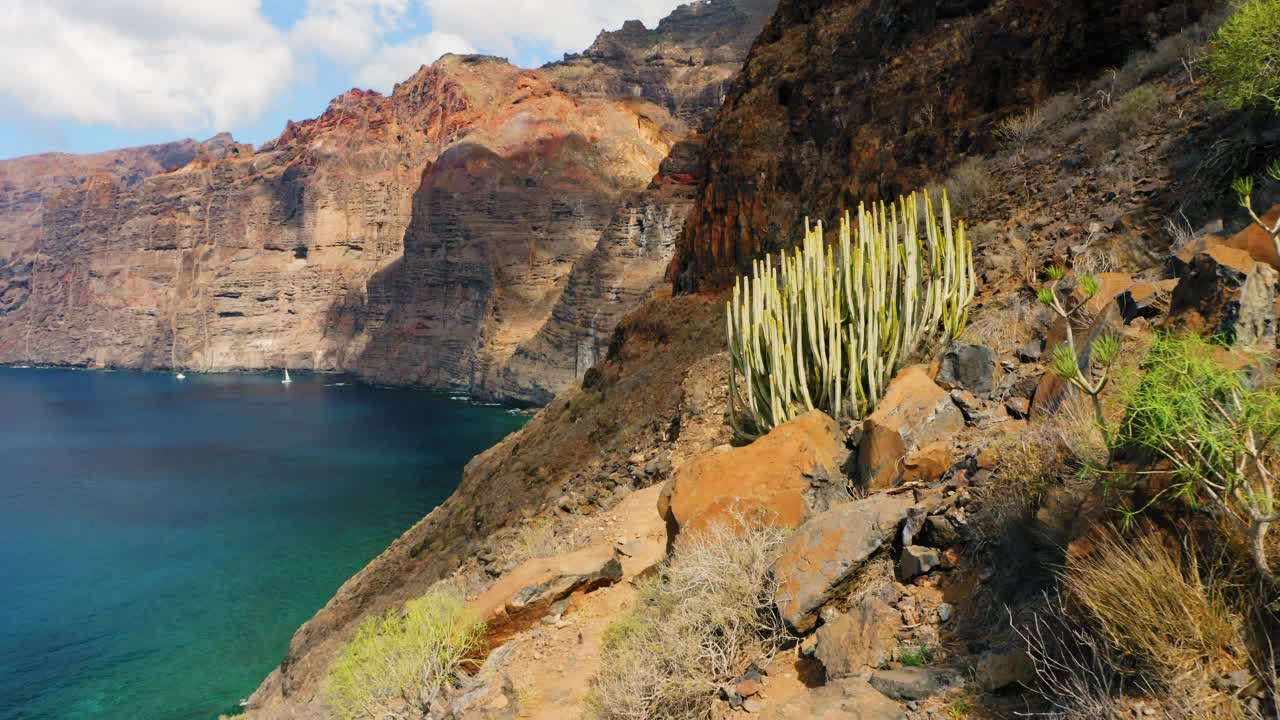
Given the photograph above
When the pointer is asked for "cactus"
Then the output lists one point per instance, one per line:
(827, 327)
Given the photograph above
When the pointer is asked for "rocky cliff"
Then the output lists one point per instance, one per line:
(477, 226)
(843, 101)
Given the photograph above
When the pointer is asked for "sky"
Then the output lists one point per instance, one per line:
(91, 75)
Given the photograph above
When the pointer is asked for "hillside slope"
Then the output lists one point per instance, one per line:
(657, 399)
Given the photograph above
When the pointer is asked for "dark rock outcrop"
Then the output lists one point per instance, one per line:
(844, 101)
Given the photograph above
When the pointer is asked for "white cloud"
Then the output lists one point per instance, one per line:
(502, 26)
(346, 30)
(140, 64)
(395, 63)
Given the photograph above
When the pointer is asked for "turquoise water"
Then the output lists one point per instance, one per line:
(160, 540)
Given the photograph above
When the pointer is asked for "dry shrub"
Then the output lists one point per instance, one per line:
(702, 621)
(1005, 323)
(1059, 107)
(536, 538)
(969, 186)
(1057, 451)
(1126, 116)
(1153, 609)
(1016, 131)
(1078, 676)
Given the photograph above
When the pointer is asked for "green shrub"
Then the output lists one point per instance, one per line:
(405, 659)
(915, 655)
(701, 622)
(827, 329)
(1197, 412)
(1243, 59)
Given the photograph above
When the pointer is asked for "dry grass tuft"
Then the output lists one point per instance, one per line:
(701, 622)
(1154, 609)
(969, 187)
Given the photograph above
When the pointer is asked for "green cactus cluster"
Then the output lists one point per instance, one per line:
(827, 327)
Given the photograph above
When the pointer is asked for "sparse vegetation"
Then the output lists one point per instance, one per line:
(1243, 58)
(1152, 608)
(701, 622)
(1126, 116)
(1194, 410)
(1075, 364)
(914, 655)
(1016, 131)
(969, 185)
(402, 664)
(828, 329)
(1244, 192)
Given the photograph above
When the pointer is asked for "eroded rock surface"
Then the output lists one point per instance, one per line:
(475, 227)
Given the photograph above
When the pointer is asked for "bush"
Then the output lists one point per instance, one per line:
(969, 185)
(1154, 610)
(1016, 131)
(1192, 409)
(405, 659)
(700, 623)
(1243, 59)
(1132, 112)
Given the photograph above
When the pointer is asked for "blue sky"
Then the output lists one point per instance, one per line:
(92, 75)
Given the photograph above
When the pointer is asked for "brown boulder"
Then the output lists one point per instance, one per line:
(825, 554)
(928, 463)
(1227, 293)
(913, 413)
(860, 638)
(782, 478)
(1251, 240)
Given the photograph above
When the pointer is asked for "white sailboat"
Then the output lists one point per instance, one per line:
(286, 379)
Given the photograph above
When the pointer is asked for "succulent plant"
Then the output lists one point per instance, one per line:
(827, 326)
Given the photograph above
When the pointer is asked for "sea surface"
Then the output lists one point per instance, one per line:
(160, 540)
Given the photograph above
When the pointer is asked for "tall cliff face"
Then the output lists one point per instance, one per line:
(27, 183)
(473, 229)
(849, 100)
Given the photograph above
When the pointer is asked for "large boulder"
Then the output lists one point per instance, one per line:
(782, 479)
(913, 413)
(823, 556)
(1227, 293)
(969, 367)
(847, 699)
(861, 638)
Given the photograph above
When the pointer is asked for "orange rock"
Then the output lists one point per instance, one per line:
(928, 463)
(913, 413)
(778, 479)
(1251, 240)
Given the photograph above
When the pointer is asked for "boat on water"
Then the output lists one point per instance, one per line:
(286, 379)
(180, 376)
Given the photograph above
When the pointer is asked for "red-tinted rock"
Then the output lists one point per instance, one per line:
(913, 413)
(778, 479)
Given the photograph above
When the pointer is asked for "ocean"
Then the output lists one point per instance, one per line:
(160, 540)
